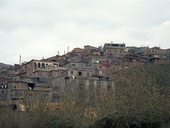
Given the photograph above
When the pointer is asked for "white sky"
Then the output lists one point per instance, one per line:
(41, 28)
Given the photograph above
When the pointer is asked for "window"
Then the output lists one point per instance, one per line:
(38, 65)
(109, 88)
(31, 86)
(79, 73)
(73, 65)
(2, 91)
(14, 107)
(43, 65)
(88, 74)
(71, 72)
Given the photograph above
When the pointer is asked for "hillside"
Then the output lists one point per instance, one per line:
(4, 66)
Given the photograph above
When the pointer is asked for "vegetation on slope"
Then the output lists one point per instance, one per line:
(141, 100)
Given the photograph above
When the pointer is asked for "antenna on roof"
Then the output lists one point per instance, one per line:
(67, 49)
(20, 60)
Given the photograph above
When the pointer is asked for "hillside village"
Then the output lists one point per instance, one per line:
(89, 68)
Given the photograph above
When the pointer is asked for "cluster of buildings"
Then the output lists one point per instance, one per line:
(87, 69)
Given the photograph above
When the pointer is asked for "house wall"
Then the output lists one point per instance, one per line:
(44, 74)
(90, 89)
(58, 73)
(81, 72)
(96, 53)
(3, 94)
(16, 89)
(114, 52)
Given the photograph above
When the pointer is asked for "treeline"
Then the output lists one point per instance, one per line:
(140, 99)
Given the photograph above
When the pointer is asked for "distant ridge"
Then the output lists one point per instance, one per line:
(4, 66)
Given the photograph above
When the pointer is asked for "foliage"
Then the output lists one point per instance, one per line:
(140, 99)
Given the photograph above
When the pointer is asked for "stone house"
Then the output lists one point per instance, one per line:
(136, 50)
(88, 48)
(153, 51)
(78, 50)
(114, 49)
(102, 65)
(81, 70)
(16, 92)
(92, 50)
(36, 68)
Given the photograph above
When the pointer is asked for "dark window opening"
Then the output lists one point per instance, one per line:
(109, 88)
(38, 65)
(67, 78)
(43, 65)
(73, 64)
(71, 72)
(2, 91)
(14, 107)
(80, 73)
(115, 45)
(31, 86)
(88, 74)
(131, 59)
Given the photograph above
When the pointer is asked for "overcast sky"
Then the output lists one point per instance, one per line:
(41, 28)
